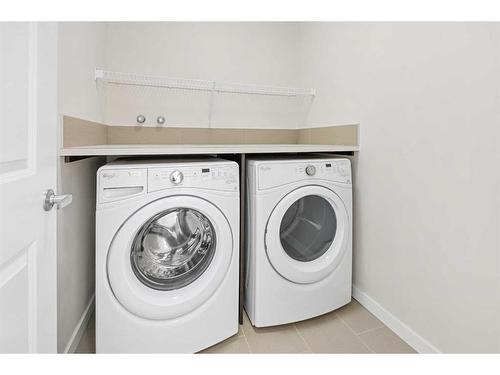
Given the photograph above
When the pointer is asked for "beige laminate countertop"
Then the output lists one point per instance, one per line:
(178, 149)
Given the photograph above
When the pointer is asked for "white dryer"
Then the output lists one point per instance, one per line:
(166, 255)
(299, 238)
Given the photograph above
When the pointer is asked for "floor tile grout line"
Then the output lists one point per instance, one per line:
(382, 325)
(248, 344)
(354, 333)
(242, 331)
(245, 335)
(371, 330)
(302, 337)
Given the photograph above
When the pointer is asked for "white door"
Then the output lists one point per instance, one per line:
(28, 156)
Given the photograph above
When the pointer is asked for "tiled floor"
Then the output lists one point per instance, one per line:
(351, 329)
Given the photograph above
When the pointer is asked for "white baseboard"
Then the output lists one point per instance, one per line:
(77, 334)
(412, 338)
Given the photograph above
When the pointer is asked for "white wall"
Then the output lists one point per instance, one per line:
(427, 194)
(81, 49)
(255, 53)
(332, 60)
(76, 250)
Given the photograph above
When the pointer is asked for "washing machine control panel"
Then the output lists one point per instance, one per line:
(176, 177)
(277, 174)
(223, 177)
(310, 170)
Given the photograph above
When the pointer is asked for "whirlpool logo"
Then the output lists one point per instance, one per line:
(108, 175)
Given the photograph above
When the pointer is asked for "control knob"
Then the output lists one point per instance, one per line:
(310, 170)
(176, 177)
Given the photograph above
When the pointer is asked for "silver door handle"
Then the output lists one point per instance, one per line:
(60, 201)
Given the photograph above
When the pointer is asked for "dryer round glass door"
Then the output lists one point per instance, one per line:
(308, 228)
(306, 234)
(169, 257)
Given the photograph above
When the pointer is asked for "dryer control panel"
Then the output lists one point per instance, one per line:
(277, 174)
(223, 177)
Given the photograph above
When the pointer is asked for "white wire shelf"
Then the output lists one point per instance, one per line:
(131, 79)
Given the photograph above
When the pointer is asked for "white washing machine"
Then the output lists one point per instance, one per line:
(299, 238)
(166, 255)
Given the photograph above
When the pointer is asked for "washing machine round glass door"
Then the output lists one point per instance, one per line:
(307, 233)
(169, 257)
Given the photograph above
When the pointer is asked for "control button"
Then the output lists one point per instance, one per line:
(310, 170)
(176, 177)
